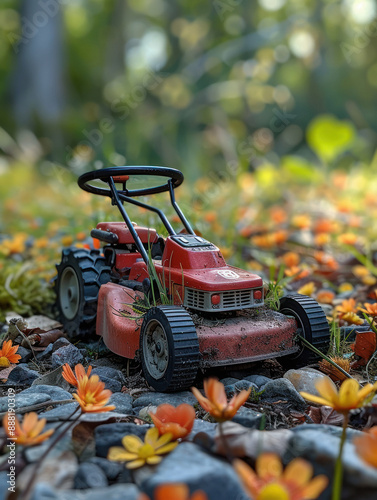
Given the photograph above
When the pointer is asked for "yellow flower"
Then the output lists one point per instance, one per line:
(270, 482)
(369, 280)
(138, 453)
(14, 245)
(352, 318)
(345, 287)
(29, 432)
(370, 309)
(307, 289)
(349, 396)
(360, 271)
(216, 403)
(347, 306)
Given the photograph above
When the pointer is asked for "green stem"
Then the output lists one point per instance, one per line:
(25, 495)
(338, 475)
(317, 351)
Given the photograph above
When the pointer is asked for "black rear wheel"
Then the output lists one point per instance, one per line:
(312, 324)
(80, 276)
(169, 348)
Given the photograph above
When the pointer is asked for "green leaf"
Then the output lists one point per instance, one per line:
(329, 137)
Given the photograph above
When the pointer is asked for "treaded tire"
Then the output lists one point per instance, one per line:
(169, 348)
(80, 276)
(312, 320)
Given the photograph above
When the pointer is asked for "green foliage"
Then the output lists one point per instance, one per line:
(275, 288)
(22, 292)
(255, 395)
(329, 137)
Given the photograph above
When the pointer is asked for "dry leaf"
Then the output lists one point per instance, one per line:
(38, 338)
(365, 345)
(325, 415)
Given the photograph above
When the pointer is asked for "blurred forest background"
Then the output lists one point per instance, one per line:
(201, 86)
(267, 106)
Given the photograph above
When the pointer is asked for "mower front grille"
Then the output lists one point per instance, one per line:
(230, 300)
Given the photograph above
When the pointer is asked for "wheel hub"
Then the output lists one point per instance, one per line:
(156, 349)
(69, 293)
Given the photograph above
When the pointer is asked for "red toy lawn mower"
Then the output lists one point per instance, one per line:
(215, 315)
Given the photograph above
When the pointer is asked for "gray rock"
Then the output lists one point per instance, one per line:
(60, 412)
(22, 375)
(89, 475)
(283, 389)
(190, 465)
(109, 435)
(258, 380)
(43, 491)
(62, 342)
(3, 485)
(229, 381)
(108, 372)
(66, 354)
(230, 391)
(22, 400)
(25, 354)
(122, 403)
(306, 380)
(112, 470)
(321, 449)
(111, 384)
(329, 429)
(244, 385)
(55, 393)
(34, 453)
(44, 355)
(203, 426)
(248, 418)
(158, 398)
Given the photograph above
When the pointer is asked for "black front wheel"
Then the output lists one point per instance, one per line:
(169, 348)
(312, 324)
(80, 276)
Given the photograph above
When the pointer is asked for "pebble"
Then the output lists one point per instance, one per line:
(111, 469)
(248, 418)
(122, 403)
(22, 375)
(44, 491)
(66, 354)
(25, 354)
(244, 385)
(158, 398)
(22, 400)
(55, 393)
(283, 389)
(305, 379)
(258, 380)
(89, 475)
(189, 464)
(229, 381)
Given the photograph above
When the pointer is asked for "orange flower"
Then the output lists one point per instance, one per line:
(324, 259)
(347, 238)
(291, 259)
(352, 318)
(174, 492)
(29, 432)
(323, 226)
(73, 379)
(301, 221)
(278, 215)
(216, 403)
(347, 306)
(321, 239)
(297, 273)
(8, 354)
(366, 446)
(92, 395)
(271, 482)
(325, 297)
(370, 309)
(178, 421)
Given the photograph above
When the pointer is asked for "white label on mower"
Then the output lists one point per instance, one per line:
(229, 275)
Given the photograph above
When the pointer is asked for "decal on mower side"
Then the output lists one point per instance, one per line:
(228, 274)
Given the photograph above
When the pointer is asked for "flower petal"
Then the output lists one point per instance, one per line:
(299, 471)
(132, 443)
(248, 477)
(315, 487)
(167, 448)
(164, 439)
(151, 436)
(154, 460)
(327, 389)
(348, 393)
(135, 464)
(119, 454)
(269, 466)
(316, 399)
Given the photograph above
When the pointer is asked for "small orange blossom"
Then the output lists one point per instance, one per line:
(178, 421)
(8, 354)
(366, 446)
(73, 378)
(92, 395)
(174, 492)
(216, 403)
(28, 433)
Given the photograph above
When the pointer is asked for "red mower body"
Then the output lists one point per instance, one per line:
(173, 303)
